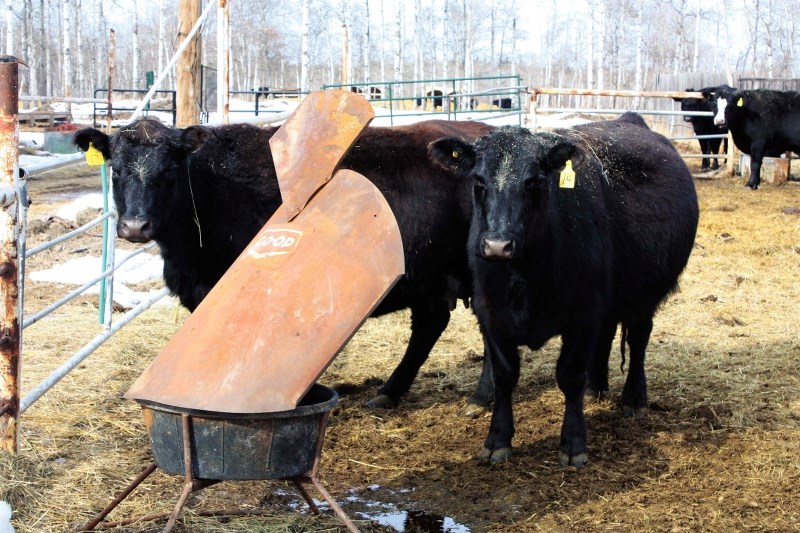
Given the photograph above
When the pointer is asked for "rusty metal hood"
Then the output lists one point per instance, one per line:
(302, 287)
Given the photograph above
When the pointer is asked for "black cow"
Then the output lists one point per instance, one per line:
(502, 103)
(435, 96)
(704, 125)
(202, 193)
(762, 122)
(573, 232)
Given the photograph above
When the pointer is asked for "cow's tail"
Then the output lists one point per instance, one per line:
(623, 339)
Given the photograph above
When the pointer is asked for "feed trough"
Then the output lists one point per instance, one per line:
(229, 446)
(233, 394)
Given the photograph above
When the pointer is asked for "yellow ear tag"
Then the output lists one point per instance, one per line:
(94, 157)
(740, 102)
(567, 180)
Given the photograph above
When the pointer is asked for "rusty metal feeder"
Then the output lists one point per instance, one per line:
(232, 395)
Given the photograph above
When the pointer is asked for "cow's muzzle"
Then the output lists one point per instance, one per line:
(497, 246)
(135, 230)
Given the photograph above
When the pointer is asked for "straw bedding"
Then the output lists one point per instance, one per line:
(717, 451)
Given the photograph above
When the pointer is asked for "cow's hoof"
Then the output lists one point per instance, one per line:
(578, 461)
(751, 187)
(594, 394)
(474, 410)
(634, 412)
(494, 456)
(381, 401)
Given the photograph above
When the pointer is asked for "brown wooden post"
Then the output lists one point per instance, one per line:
(9, 257)
(188, 96)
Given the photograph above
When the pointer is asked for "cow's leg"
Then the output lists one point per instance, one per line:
(480, 400)
(714, 145)
(576, 348)
(634, 395)
(427, 326)
(597, 369)
(504, 358)
(756, 157)
(705, 150)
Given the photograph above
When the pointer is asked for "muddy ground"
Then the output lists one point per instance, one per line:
(717, 451)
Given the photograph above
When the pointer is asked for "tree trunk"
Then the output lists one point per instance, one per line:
(304, 61)
(398, 47)
(10, 27)
(135, 78)
(188, 96)
(67, 65)
(79, 74)
(365, 47)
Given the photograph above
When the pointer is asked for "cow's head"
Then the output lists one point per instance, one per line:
(513, 173)
(690, 105)
(149, 163)
(721, 99)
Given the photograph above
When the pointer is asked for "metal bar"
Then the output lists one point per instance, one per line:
(87, 350)
(704, 156)
(67, 236)
(101, 307)
(335, 506)
(120, 497)
(9, 257)
(187, 465)
(174, 59)
(61, 99)
(692, 137)
(631, 94)
(55, 305)
(77, 292)
(62, 162)
(604, 111)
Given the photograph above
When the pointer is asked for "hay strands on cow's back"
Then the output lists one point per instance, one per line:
(222, 400)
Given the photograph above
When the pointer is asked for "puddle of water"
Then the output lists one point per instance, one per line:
(385, 513)
(402, 521)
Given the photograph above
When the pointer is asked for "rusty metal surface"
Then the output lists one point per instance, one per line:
(9, 257)
(302, 287)
(285, 308)
(310, 144)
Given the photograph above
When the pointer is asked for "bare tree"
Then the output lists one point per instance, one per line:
(304, 47)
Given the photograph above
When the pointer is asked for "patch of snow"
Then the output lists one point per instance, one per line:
(70, 211)
(143, 267)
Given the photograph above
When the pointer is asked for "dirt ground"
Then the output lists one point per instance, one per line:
(717, 451)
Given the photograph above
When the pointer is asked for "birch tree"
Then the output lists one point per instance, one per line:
(67, 58)
(304, 47)
(10, 27)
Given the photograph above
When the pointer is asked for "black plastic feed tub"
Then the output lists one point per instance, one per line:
(229, 446)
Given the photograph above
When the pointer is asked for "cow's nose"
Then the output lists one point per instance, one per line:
(719, 122)
(135, 230)
(496, 246)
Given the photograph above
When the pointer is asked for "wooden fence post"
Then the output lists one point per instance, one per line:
(10, 302)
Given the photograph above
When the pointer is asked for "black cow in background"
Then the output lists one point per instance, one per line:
(704, 126)
(573, 232)
(762, 123)
(202, 194)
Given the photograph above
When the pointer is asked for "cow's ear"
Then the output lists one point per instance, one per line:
(556, 159)
(194, 137)
(452, 154)
(83, 138)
